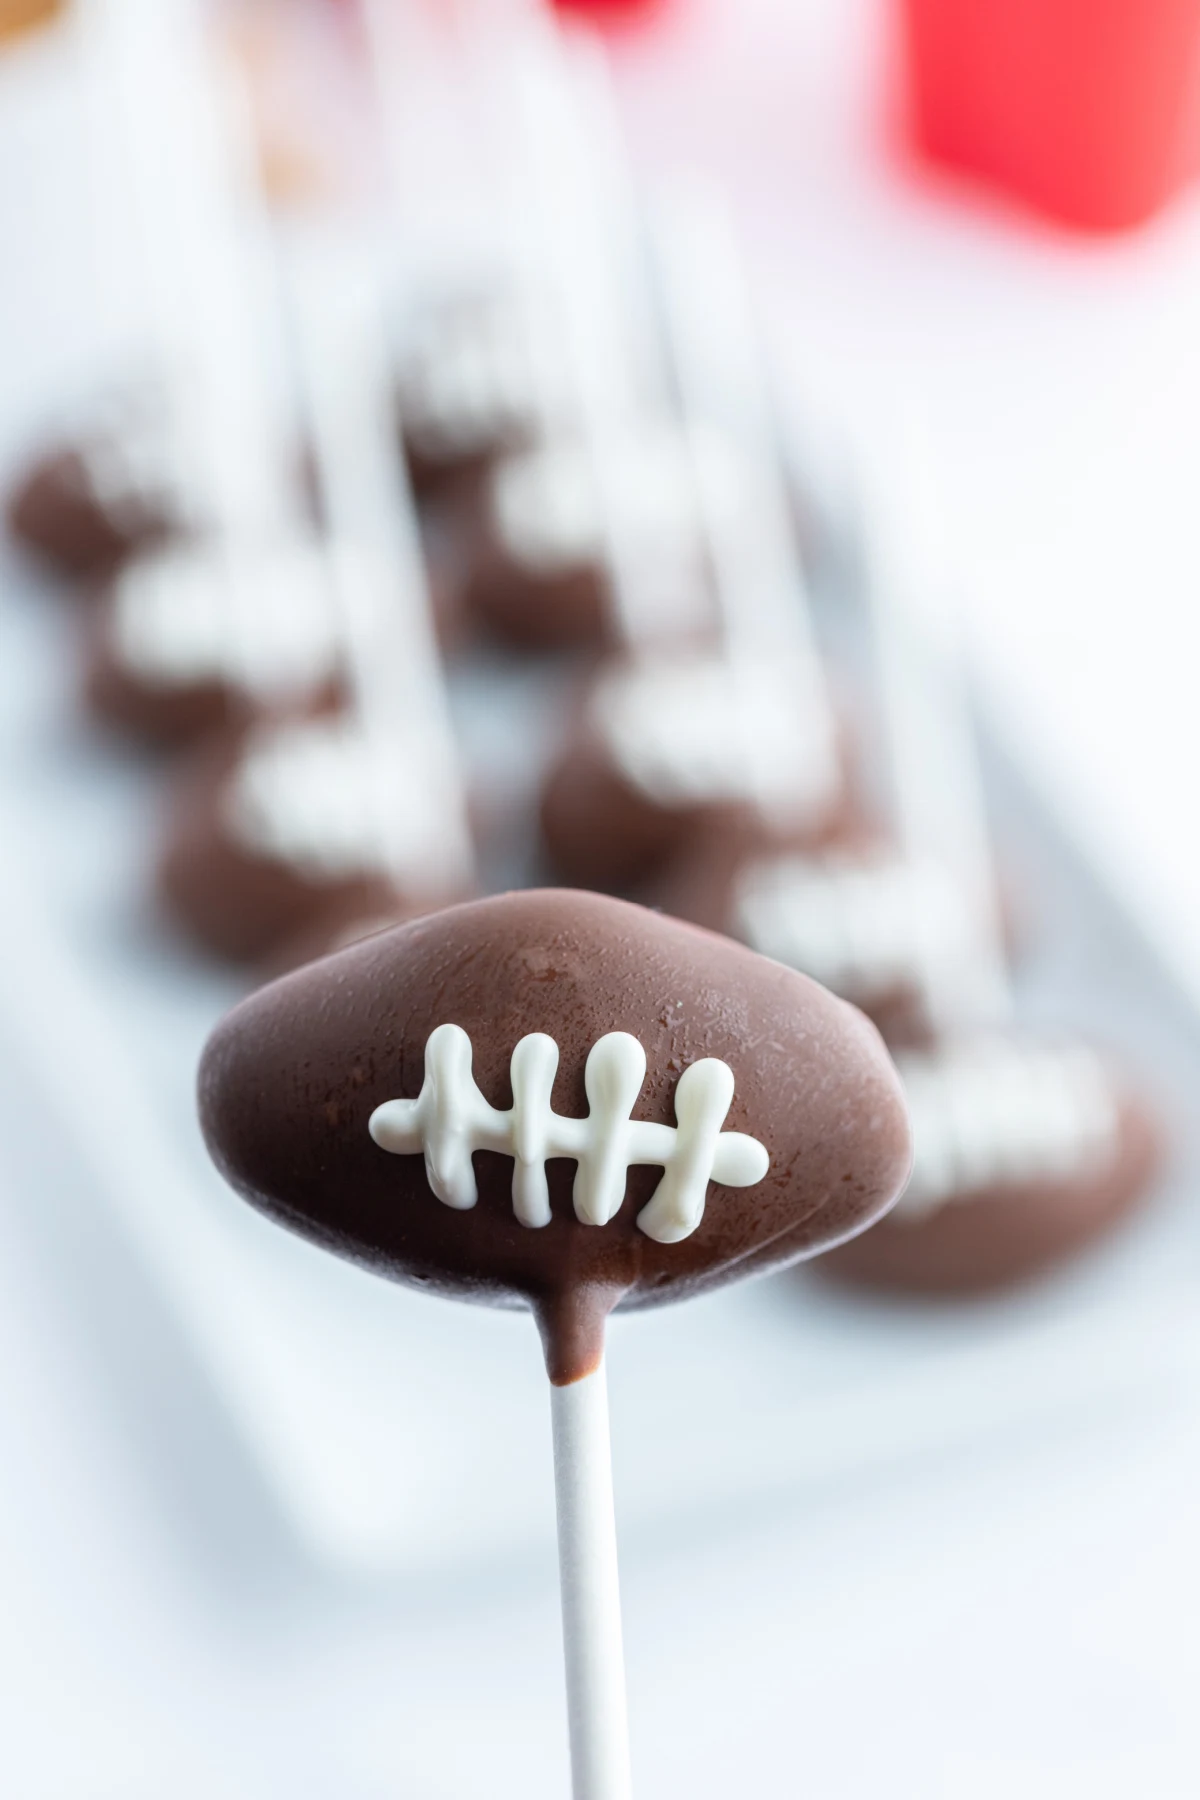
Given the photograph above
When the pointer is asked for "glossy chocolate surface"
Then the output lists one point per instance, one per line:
(291, 1077)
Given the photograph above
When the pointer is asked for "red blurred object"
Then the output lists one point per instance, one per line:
(602, 10)
(1088, 109)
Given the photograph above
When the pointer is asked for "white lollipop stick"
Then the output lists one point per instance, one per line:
(392, 658)
(933, 758)
(190, 170)
(550, 111)
(714, 346)
(591, 1599)
(761, 591)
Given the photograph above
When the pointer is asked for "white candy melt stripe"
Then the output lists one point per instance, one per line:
(450, 1120)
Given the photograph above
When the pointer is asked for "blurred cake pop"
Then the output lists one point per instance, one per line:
(199, 634)
(85, 507)
(312, 820)
(470, 387)
(1025, 1153)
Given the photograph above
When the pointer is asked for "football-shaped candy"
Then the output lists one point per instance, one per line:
(560, 1101)
(1026, 1152)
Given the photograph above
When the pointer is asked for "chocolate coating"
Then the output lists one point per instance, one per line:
(1009, 1232)
(56, 513)
(291, 1077)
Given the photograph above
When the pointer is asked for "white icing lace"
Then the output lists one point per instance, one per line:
(705, 729)
(993, 1113)
(862, 926)
(261, 618)
(318, 796)
(450, 1119)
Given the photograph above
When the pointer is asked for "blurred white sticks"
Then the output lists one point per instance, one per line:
(715, 349)
(377, 567)
(572, 188)
(180, 112)
(931, 751)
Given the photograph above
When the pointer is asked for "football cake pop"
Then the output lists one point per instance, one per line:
(321, 1093)
(559, 1102)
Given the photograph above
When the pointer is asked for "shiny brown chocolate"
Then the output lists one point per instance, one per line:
(291, 1077)
(1010, 1232)
(56, 513)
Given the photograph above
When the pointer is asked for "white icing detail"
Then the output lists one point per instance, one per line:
(315, 794)
(132, 464)
(260, 618)
(471, 377)
(995, 1112)
(862, 925)
(450, 1119)
(701, 729)
(546, 505)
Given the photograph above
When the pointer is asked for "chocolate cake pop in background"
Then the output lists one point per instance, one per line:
(470, 387)
(682, 744)
(859, 917)
(1025, 1153)
(84, 509)
(273, 830)
(197, 635)
(538, 578)
(803, 1132)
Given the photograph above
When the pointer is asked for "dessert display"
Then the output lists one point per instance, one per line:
(543, 1099)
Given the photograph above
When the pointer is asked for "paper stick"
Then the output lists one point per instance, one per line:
(190, 171)
(591, 1601)
(933, 757)
(714, 346)
(563, 203)
(394, 667)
